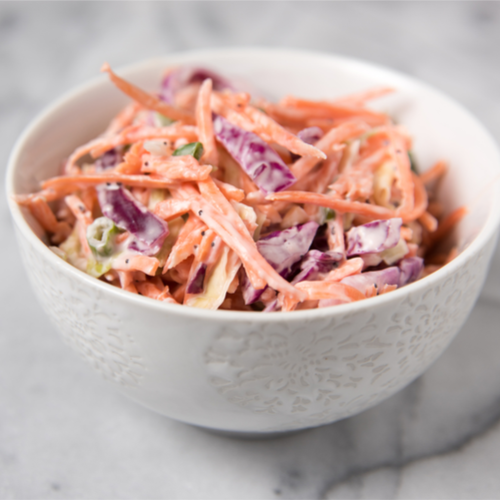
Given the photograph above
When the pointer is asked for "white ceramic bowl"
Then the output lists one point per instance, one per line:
(251, 372)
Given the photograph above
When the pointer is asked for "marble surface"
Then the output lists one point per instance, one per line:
(64, 433)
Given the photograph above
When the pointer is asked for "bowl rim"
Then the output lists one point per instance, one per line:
(480, 240)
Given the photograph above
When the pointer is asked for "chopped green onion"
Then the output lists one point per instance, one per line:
(330, 214)
(193, 148)
(162, 120)
(326, 214)
(413, 162)
(100, 236)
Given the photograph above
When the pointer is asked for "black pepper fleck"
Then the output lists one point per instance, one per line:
(127, 261)
(200, 213)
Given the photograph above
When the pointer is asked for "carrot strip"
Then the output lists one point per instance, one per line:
(437, 171)
(405, 175)
(253, 120)
(171, 209)
(347, 268)
(337, 204)
(136, 133)
(318, 180)
(326, 109)
(176, 168)
(420, 201)
(360, 98)
(229, 191)
(428, 221)
(204, 123)
(70, 167)
(146, 99)
(318, 290)
(281, 136)
(447, 224)
(387, 288)
(79, 210)
(211, 193)
(189, 236)
(134, 262)
(150, 290)
(84, 219)
(337, 135)
(132, 161)
(406, 233)
(179, 293)
(127, 281)
(76, 182)
(123, 119)
(259, 271)
(44, 215)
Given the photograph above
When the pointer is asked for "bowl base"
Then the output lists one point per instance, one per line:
(257, 436)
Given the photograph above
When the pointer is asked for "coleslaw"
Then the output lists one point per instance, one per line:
(205, 196)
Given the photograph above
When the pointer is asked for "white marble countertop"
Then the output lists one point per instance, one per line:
(65, 434)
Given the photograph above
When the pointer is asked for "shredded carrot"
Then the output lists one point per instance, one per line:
(44, 215)
(150, 290)
(136, 133)
(122, 119)
(135, 262)
(428, 221)
(325, 109)
(317, 290)
(146, 99)
(73, 183)
(354, 168)
(448, 223)
(229, 191)
(347, 268)
(360, 98)
(406, 233)
(278, 134)
(204, 122)
(176, 168)
(406, 179)
(387, 288)
(437, 171)
(336, 135)
(132, 161)
(337, 204)
(171, 209)
(258, 269)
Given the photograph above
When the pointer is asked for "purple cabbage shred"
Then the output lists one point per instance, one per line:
(181, 77)
(388, 276)
(310, 135)
(264, 166)
(108, 160)
(195, 285)
(127, 213)
(282, 249)
(410, 270)
(316, 263)
(374, 237)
